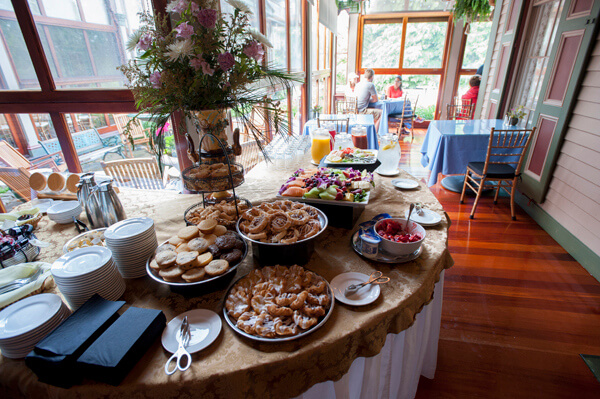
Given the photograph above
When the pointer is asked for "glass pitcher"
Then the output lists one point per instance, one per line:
(389, 153)
(342, 141)
(320, 144)
(359, 137)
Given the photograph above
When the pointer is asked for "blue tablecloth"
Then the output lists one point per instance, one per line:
(390, 107)
(450, 145)
(365, 120)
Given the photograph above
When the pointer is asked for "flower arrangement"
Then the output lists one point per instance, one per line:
(517, 112)
(208, 61)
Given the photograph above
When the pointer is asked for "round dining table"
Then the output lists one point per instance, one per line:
(377, 350)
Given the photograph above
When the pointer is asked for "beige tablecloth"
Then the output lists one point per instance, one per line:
(234, 367)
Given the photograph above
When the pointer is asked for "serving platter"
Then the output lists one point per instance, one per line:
(233, 325)
(383, 256)
(372, 153)
(328, 202)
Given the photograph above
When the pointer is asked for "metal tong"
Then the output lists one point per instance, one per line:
(183, 337)
(375, 278)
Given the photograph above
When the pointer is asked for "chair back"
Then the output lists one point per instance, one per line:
(9, 156)
(135, 172)
(341, 124)
(17, 179)
(251, 154)
(460, 109)
(508, 147)
(349, 105)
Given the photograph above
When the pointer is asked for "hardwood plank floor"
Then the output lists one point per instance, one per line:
(518, 309)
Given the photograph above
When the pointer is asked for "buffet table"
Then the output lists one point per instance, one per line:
(234, 367)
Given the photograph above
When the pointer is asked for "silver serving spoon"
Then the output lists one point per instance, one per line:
(374, 278)
(412, 206)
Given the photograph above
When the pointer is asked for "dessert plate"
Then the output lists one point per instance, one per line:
(205, 326)
(383, 256)
(405, 184)
(392, 173)
(428, 218)
(363, 296)
(28, 314)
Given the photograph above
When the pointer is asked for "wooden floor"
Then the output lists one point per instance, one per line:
(518, 309)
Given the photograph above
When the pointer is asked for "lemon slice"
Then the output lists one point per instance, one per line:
(336, 158)
(388, 146)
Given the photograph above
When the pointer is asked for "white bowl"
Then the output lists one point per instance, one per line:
(64, 208)
(402, 248)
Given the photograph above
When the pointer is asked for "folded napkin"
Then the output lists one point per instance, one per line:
(9, 220)
(22, 270)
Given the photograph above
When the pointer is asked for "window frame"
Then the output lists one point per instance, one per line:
(406, 18)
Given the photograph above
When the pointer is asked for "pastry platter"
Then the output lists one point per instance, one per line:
(233, 324)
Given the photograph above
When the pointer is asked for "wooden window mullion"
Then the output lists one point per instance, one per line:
(403, 41)
(59, 72)
(89, 50)
(34, 45)
(66, 142)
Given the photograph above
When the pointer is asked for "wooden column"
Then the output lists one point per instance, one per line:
(66, 142)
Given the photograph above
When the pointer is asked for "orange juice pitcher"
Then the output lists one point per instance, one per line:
(320, 144)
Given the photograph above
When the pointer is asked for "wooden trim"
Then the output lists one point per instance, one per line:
(572, 15)
(66, 142)
(443, 76)
(34, 45)
(305, 62)
(37, 133)
(415, 14)
(89, 50)
(461, 56)
(17, 133)
(402, 42)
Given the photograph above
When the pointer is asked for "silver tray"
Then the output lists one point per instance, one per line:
(282, 339)
(383, 256)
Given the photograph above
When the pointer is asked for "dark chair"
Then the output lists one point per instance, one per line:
(502, 166)
(349, 105)
(407, 116)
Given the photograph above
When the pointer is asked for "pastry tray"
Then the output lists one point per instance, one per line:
(233, 325)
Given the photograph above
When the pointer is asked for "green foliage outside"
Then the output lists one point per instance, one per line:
(477, 44)
(427, 113)
(374, 6)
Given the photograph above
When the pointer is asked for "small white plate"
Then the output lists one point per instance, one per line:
(28, 314)
(80, 262)
(405, 184)
(364, 296)
(129, 228)
(205, 326)
(429, 217)
(394, 173)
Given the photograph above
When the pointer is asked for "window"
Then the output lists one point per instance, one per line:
(341, 69)
(475, 50)
(16, 69)
(414, 47)
(375, 6)
(276, 32)
(381, 45)
(295, 12)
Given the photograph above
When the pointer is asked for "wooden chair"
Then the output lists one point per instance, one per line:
(349, 105)
(460, 109)
(138, 133)
(341, 124)
(407, 116)
(136, 173)
(17, 179)
(505, 149)
(10, 157)
(251, 155)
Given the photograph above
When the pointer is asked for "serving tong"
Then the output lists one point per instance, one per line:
(183, 337)
(375, 278)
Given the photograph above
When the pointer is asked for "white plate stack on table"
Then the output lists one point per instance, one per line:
(63, 212)
(132, 242)
(26, 322)
(87, 271)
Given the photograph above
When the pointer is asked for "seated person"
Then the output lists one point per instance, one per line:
(395, 90)
(351, 87)
(365, 94)
(470, 97)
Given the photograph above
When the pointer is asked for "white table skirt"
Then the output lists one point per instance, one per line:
(395, 371)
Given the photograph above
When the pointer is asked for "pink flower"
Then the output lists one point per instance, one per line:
(177, 6)
(254, 50)
(207, 17)
(155, 80)
(185, 30)
(199, 62)
(226, 61)
(196, 63)
(145, 42)
(195, 8)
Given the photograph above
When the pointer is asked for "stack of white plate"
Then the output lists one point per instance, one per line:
(63, 212)
(25, 323)
(87, 271)
(132, 242)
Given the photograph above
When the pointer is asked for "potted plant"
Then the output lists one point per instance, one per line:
(472, 10)
(316, 111)
(210, 62)
(514, 115)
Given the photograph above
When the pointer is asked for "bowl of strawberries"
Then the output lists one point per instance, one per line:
(399, 239)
